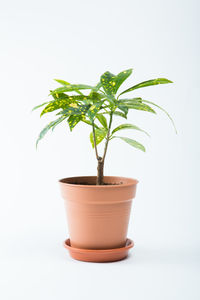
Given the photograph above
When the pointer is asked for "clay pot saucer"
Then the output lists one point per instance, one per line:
(102, 255)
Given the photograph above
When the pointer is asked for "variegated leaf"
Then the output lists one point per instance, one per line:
(73, 121)
(100, 134)
(111, 82)
(78, 98)
(93, 110)
(75, 110)
(108, 83)
(56, 104)
(59, 96)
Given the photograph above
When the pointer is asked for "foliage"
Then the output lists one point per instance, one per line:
(73, 105)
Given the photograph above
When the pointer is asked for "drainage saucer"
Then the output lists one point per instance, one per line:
(102, 255)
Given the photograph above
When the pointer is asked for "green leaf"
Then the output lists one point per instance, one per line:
(120, 114)
(71, 88)
(108, 83)
(163, 111)
(111, 99)
(63, 82)
(73, 121)
(140, 106)
(130, 100)
(97, 87)
(121, 77)
(102, 120)
(147, 83)
(100, 134)
(131, 142)
(58, 122)
(117, 113)
(89, 123)
(38, 106)
(123, 108)
(93, 110)
(127, 126)
(51, 125)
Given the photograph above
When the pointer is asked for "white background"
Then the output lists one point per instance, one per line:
(77, 41)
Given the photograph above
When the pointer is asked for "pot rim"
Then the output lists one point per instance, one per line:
(127, 182)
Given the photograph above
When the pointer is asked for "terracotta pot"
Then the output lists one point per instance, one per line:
(98, 215)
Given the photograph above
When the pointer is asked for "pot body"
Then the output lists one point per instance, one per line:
(98, 216)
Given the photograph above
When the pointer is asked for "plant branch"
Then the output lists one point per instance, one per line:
(107, 137)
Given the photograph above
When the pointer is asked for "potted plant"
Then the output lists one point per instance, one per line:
(98, 207)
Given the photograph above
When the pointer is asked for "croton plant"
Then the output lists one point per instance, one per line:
(97, 106)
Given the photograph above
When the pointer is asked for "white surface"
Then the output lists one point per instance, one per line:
(77, 41)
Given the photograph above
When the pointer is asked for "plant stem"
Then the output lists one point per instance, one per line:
(99, 159)
(100, 167)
